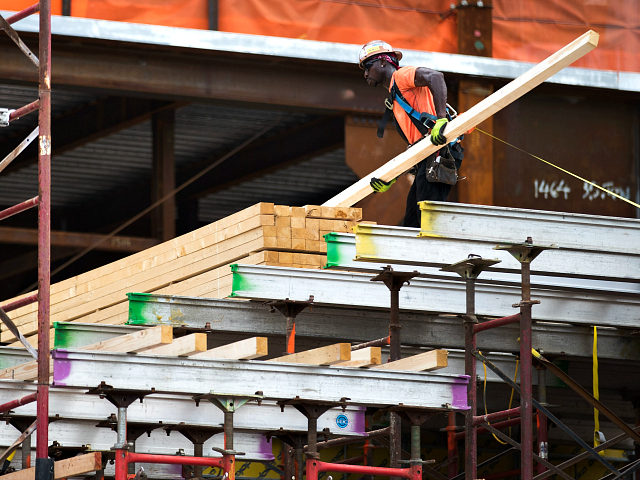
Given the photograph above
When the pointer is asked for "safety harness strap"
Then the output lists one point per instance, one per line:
(423, 121)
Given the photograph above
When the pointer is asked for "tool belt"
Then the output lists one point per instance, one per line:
(442, 169)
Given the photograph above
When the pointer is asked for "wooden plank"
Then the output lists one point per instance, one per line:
(247, 349)
(328, 355)
(364, 357)
(185, 346)
(69, 467)
(472, 117)
(129, 343)
(180, 246)
(148, 280)
(422, 362)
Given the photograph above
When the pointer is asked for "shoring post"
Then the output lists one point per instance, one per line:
(290, 309)
(394, 282)
(469, 269)
(44, 464)
(525, 253)
(452, 446)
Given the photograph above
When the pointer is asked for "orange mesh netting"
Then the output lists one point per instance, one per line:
(522, 30)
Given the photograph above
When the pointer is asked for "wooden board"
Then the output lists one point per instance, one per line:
(422, 362)
(185, 346)
(472, 117)
(247, 349)
(364, 357)
(328, 355)
(131, 342)
(69, 467)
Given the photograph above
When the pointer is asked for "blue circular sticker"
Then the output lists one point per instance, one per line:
(342, 420)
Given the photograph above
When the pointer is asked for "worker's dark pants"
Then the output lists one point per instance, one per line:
(424, 190)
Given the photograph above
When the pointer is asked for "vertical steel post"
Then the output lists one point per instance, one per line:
(470, 269)
(452, 446)
(44, 465)
(471, 432)
(526, 411)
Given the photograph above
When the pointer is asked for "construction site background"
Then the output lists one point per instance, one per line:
(525, 31)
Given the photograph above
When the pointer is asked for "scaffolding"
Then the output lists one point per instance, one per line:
(44, 465)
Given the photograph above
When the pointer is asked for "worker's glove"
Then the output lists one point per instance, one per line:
(379, 185)
(437, 132)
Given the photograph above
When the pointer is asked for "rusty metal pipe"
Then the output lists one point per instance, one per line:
(35, 8)
(20, 207)
(498, 322)
(7, 307)
(5, 407)
(490, 417)
(27, 109)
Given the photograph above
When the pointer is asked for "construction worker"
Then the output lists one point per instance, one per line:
(418, 102)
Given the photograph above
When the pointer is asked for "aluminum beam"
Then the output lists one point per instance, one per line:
(504, 225)
(297, 49)
(370, 249)
(430, 295)
(275, 380)
(77, 433)
(75, 404)
(359, 325)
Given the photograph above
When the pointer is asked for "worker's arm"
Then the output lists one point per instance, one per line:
(425, 77)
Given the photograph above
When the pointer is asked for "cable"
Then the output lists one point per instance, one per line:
(620, 197)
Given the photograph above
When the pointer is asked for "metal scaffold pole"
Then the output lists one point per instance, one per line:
(44, 465)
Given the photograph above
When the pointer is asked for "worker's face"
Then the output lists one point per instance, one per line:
(373, 72)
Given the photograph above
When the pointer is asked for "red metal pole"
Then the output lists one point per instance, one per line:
(7, 307)
(490, 417)
(498, 322)
(16, 403)
(315, 466)
(44, 467)
(31, 107)
(35, 8)
(20, 207)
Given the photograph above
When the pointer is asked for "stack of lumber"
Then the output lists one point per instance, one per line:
(195, 264)
(160, 340)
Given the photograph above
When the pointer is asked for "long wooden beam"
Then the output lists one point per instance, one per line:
(472, 117)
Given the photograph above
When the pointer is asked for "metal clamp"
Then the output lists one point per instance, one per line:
(5, 114)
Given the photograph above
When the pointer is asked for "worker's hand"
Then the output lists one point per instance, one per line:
(437, 132)
(379, 185)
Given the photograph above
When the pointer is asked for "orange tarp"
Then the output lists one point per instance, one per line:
(522, 30)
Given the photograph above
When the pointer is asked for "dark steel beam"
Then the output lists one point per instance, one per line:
(289, 147)
(93, 121)
(198, 75)
(163, 181)
(29, 236)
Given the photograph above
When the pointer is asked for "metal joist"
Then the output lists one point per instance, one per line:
(358, 325)
(75, 404)
(431, 295)
(512, 225)
(374, 246)
(380, 241)
(276, 381)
